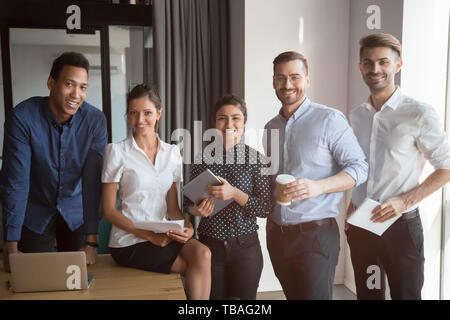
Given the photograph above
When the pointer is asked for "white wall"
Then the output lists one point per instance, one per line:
(272, 27)
(425, 46)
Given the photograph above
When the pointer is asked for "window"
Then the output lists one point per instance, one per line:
(33, 51)
(131, 63)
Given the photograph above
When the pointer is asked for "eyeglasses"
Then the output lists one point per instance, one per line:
(295, 78)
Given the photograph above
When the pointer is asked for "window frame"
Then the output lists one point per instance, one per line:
(95, 15)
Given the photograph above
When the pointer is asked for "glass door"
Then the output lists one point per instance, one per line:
(131, 63)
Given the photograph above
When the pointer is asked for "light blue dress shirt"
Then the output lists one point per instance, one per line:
(315, 143)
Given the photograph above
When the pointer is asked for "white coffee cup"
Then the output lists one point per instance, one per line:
(281, 181)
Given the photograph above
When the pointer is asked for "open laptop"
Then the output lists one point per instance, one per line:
(49, 271)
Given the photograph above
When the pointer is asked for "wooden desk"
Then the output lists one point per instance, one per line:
(111, 282)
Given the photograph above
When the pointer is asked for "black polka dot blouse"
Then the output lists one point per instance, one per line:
(241, 166)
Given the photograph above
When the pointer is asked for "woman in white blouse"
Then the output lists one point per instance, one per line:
(147, 171)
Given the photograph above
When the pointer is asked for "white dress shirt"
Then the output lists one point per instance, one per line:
(143, 186)
(397, 140)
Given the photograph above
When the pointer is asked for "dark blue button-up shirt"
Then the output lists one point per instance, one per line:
(49, 168)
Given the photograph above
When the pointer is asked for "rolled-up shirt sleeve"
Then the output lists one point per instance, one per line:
(259, 202)
(432, 140)
(345, 148)
(15, 179)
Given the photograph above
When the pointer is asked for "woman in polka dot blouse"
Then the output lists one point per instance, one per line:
(231, 234)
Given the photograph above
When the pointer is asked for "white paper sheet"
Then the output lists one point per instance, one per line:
(160, 226)
(361, 218)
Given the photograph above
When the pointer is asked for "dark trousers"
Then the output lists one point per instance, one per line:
(236, 266)
(397, 254)
(305, 259)
(56, 237)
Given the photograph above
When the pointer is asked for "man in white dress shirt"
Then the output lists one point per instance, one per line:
(398, 134)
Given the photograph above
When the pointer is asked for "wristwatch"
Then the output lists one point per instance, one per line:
(91, 244)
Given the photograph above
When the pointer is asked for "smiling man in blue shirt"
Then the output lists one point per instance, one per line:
(52, 162)
(317, 147)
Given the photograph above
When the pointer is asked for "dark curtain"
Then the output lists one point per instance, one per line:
(191, 51)
(192, 59)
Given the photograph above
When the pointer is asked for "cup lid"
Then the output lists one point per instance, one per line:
(285, 178)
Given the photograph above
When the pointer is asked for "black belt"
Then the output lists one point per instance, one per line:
(240, 239)
(305, 225)
(410, 214)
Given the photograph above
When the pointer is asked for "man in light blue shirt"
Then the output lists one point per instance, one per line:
(318, 147)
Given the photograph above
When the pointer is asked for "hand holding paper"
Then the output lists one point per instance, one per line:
(389, 209)
(160, 226)
(362, 218)
(181, 236)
